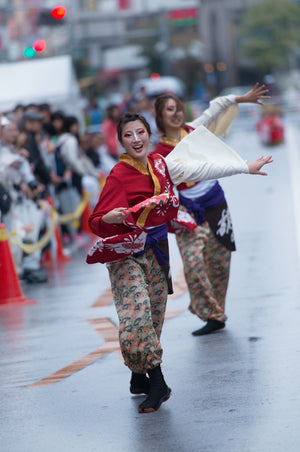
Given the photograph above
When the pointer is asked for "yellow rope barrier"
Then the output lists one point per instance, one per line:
(30, 248)
(63, 219)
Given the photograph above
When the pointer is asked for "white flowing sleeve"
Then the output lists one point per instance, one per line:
(202, 156)
(219, 116)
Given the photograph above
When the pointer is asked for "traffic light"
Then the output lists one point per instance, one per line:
(39, 46)
(54, 16)
(59, 12)
(29, 52)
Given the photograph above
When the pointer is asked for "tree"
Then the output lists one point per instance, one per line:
(270, 34)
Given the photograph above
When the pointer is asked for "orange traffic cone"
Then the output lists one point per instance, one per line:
(84, 222)
(58, 251)
(47, 258)
(10, 288)
(60, 255)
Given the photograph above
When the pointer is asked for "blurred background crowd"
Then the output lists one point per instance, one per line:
(68, 72)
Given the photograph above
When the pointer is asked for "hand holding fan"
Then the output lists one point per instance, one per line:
(153, 201)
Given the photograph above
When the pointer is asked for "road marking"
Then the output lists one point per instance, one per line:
(109, 333)
(105, 299)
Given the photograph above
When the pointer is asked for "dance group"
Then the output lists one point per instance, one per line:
(134, 243)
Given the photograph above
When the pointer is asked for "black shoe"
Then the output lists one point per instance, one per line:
(154, 400)
(139, 384)
(159, 392)
(210, 327)
(35, 276)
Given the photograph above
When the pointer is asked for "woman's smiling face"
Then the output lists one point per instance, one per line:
(172, 117)
(136, 140)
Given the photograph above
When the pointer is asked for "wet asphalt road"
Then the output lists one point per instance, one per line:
(233, 391)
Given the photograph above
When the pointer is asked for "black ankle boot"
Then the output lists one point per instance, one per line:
(139, 384)
(210, 327)
(158, 393)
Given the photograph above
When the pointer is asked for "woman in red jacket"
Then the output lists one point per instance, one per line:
(206, 251)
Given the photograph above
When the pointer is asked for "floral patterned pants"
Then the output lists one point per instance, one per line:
(140, 295)
(206, 267)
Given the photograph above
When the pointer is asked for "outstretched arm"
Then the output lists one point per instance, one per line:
(222, 110)
(255, 167)
(254, 96)
(202, 156)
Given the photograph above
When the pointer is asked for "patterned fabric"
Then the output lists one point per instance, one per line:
(157, 239)
(219, 220)
(140, 295)
(116, 247)
(206, 267)
(183, 221)
(127, 186)
(212, 207)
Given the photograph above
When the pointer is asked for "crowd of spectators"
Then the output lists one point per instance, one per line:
(45, 161)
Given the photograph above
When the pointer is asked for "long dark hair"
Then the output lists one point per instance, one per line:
(69, 122)
(159, 105)
(130, 117)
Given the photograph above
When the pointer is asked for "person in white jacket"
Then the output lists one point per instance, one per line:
(76, 171)
(206, 252)
(28, 215)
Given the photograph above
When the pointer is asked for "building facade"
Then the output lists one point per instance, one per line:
(218, 22)
(108, 34)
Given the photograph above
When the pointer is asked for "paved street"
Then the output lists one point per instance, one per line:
(63, 386)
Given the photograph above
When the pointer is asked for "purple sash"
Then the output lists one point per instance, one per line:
(157, 239)
(214, 197)
(212, 207)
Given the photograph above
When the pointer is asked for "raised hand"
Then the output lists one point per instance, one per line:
(255, 167)
(254, 96)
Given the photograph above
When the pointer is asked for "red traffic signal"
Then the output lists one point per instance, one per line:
(59, 12)
(39, 46)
